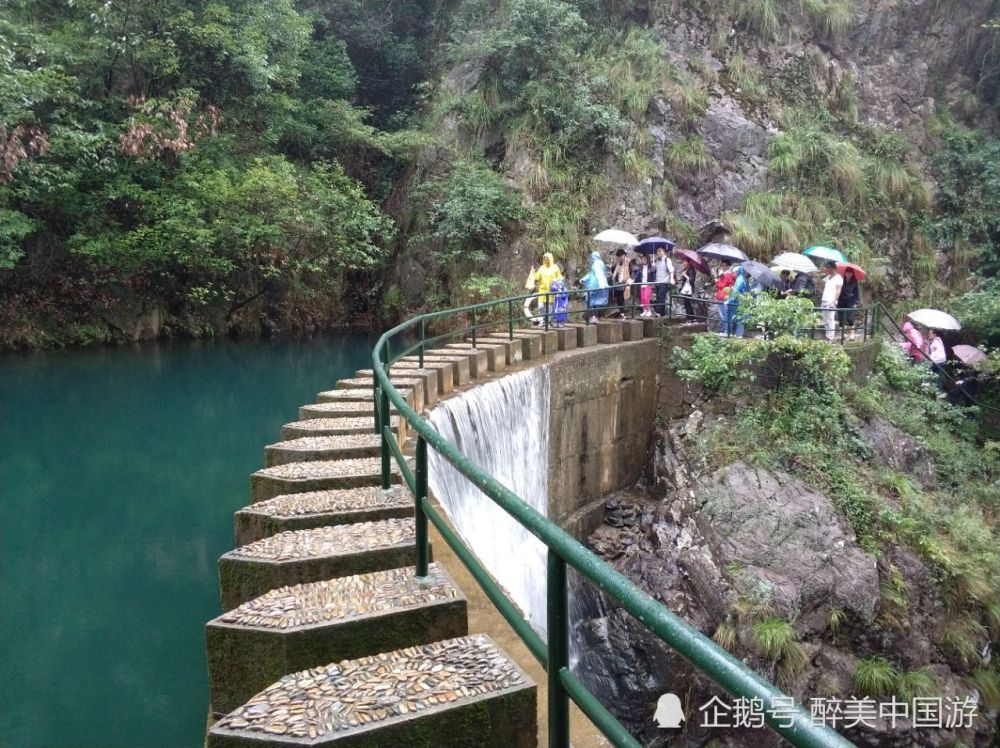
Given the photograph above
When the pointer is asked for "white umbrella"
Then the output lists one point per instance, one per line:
(617, 236)
(935, 319)
(795, 262)
(716, 251)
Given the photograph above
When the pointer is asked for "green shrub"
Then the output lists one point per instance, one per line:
(875, 677)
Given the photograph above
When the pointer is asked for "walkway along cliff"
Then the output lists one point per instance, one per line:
(340, 628)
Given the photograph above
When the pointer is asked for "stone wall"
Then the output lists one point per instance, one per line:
(601, 410)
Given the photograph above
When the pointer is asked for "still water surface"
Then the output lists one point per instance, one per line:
(119, 473)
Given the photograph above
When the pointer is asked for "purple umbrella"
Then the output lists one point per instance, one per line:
(648, 245)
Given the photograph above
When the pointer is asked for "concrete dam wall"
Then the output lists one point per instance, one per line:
(560, 435)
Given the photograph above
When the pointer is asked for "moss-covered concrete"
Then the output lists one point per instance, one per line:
(242, 579)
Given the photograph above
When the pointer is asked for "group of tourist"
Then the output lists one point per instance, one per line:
(609, 291)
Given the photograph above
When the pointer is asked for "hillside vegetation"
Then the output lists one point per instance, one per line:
(242, 166)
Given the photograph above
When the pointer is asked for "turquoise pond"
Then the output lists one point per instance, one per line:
(120, 470)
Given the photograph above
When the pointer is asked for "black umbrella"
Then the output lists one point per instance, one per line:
(762, 274)
(648, 245)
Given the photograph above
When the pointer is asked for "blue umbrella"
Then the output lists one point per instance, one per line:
(825, 253)
(650, 243)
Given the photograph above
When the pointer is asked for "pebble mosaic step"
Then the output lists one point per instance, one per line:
(413, 395)
(334, 426)
(340, 446)
(300, 556)
(317, 475)
(308, 625)
(300, 511)
(458, 693)
(428, 389)
(496, 355)
(337, 410)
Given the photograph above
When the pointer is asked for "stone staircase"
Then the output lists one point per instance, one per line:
(327, 637)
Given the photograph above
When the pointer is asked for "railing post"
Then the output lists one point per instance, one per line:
(547, 309)
(420, 517)
(634, 292)
(383, 412)
(510, 319)
(475, 324)
(423, 335)
(558, 656)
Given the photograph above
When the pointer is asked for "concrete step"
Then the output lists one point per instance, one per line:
(300, 556)
(514, 349)
(478, 358)
(305, 448)
(301, 511)
(317, 475)
(414, 395)
(586, 335)
(550, 340)
(461, 371)
(457, 693)
(609, 331)
(439, 373)
(496, 355)
(334, 426)
(420, 380)
(295, 628)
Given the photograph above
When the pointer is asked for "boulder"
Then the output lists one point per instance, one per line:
(786, 543)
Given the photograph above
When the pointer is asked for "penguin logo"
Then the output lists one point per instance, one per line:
(669, 713)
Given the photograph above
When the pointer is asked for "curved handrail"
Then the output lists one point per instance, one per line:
(717, 664)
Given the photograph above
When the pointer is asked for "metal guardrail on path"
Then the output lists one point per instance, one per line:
(715, 663)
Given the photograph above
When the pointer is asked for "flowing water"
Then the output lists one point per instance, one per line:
(502, 426)
(121, 469)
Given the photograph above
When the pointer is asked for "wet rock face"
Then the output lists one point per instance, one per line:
(899, 451)
(702, 544)
(784, 542)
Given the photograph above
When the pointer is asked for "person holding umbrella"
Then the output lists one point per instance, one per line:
(831, 296)
(850, 298)
(663, 274)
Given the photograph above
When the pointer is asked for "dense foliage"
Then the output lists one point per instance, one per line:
(204, 159)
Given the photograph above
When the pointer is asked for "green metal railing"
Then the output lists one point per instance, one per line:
(563, 550)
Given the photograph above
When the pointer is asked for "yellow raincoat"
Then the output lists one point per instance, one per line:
(547, 274)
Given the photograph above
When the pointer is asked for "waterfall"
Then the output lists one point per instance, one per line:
(502, 427)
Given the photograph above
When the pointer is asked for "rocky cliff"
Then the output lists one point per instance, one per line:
(779, 124)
